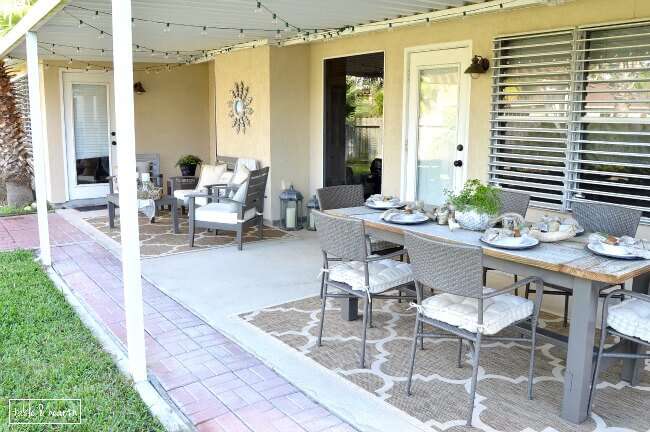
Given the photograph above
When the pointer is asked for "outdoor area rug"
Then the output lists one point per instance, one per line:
(158, 239)
(440, 389)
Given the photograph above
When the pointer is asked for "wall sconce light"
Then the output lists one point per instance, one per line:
(479, 66)
(138, 88)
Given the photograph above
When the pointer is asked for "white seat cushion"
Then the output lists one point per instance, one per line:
(498, 312)
(632, 318)
(211, 174)
(182, 195)
(251, 164)
(225, 213)
(384, 275)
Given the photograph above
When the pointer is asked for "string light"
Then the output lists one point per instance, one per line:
(167, 28)
(275, 18)
(81, 23)
(278, 34)
(258, 7)
(204, 31)
(101, 34)
(241, 33)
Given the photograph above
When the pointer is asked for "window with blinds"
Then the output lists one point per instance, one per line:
(571, 116)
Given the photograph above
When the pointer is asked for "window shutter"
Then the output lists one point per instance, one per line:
(530, 115)
(609, 158)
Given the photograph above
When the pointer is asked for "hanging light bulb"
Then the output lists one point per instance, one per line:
(275, 18)
(96, 15)
(153, 53)
(428, 21)
(241, 33)
(47, 66)
(81, 23)
(101, 35)
(287, 27)
(70, 61)
(390, 26)
(277, 34)
(102, 52)
(78, 50)
(87, 67)
(53, 49)
(167, 28)
(166, 55)
(258, 7)
(169, 68)
(132, 22)
(204, 31)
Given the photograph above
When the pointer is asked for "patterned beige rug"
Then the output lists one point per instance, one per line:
(441, 390)
(158, 239)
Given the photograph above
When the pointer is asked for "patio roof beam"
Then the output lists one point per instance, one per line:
(129, 230)
(39, 146)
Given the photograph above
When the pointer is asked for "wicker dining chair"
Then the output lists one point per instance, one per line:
(343, 196)
(596, 217)
(625, 321)
(511, 202)
(357, 273)
(464, 308)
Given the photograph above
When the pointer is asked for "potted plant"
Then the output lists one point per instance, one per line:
(475, 205)
(187, 164)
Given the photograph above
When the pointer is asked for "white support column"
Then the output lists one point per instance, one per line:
(38, 145)
(129, 230)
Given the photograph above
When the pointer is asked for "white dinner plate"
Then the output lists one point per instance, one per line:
(611, 251)
(513, 243)
(384, 205)
(407, 219)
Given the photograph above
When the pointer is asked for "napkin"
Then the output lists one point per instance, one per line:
(378, 197)
(389, 214)
(636, 247)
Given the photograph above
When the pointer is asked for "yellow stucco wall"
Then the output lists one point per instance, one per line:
(171, 118)
(480, 30)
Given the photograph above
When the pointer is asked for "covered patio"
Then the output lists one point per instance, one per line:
(230, 337)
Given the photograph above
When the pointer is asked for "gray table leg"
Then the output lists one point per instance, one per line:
(577, 378)
(632, 367)
(111, 215)
(175, 216)
(350, 309)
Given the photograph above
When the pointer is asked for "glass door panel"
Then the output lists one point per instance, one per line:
(437, 131)
(91, 133)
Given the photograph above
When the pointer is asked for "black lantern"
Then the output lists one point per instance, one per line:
(312, 205)
(291, 209)
(479, 66)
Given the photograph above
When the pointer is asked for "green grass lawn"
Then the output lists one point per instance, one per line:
(14, 211)
(47, 352)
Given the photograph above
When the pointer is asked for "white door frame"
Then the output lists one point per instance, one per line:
(465, 104)
(68, 78)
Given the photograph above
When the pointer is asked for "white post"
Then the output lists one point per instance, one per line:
(38, 145)
(129, 231)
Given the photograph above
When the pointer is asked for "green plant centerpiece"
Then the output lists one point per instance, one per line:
(475, 205)
(187, 164)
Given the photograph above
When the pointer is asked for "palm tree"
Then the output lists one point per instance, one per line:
(15, 152)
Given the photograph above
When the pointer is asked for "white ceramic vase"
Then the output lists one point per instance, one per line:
(472, 220)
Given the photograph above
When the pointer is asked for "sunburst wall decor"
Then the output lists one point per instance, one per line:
(240, 107)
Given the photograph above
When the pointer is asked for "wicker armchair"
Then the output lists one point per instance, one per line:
(455, 272)
(627, 322)
(511, 202)
(356, 273)
(334, 197)
(594, 217)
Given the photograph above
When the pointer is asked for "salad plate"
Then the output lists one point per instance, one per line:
(405, 218)
(611, 251)
(511, 243)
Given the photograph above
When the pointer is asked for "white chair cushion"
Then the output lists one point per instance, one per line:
(225, 213)
(241, 175)
(226, 177)
(384, 275)
(631, 317)
(240, 195)
(251, 164)
(498, 312)
(210, 174)
(182, 195)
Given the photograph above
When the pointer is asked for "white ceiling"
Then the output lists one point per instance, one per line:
(63, 29)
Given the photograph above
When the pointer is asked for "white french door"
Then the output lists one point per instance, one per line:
(89, 132)
(436, 122)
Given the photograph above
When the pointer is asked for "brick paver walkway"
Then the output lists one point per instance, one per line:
(215, 383)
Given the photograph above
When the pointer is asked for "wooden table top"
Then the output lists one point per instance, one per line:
(568, 256)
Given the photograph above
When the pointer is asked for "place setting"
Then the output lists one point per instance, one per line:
(624, 247)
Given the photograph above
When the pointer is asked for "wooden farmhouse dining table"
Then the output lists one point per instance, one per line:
(568, 264)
